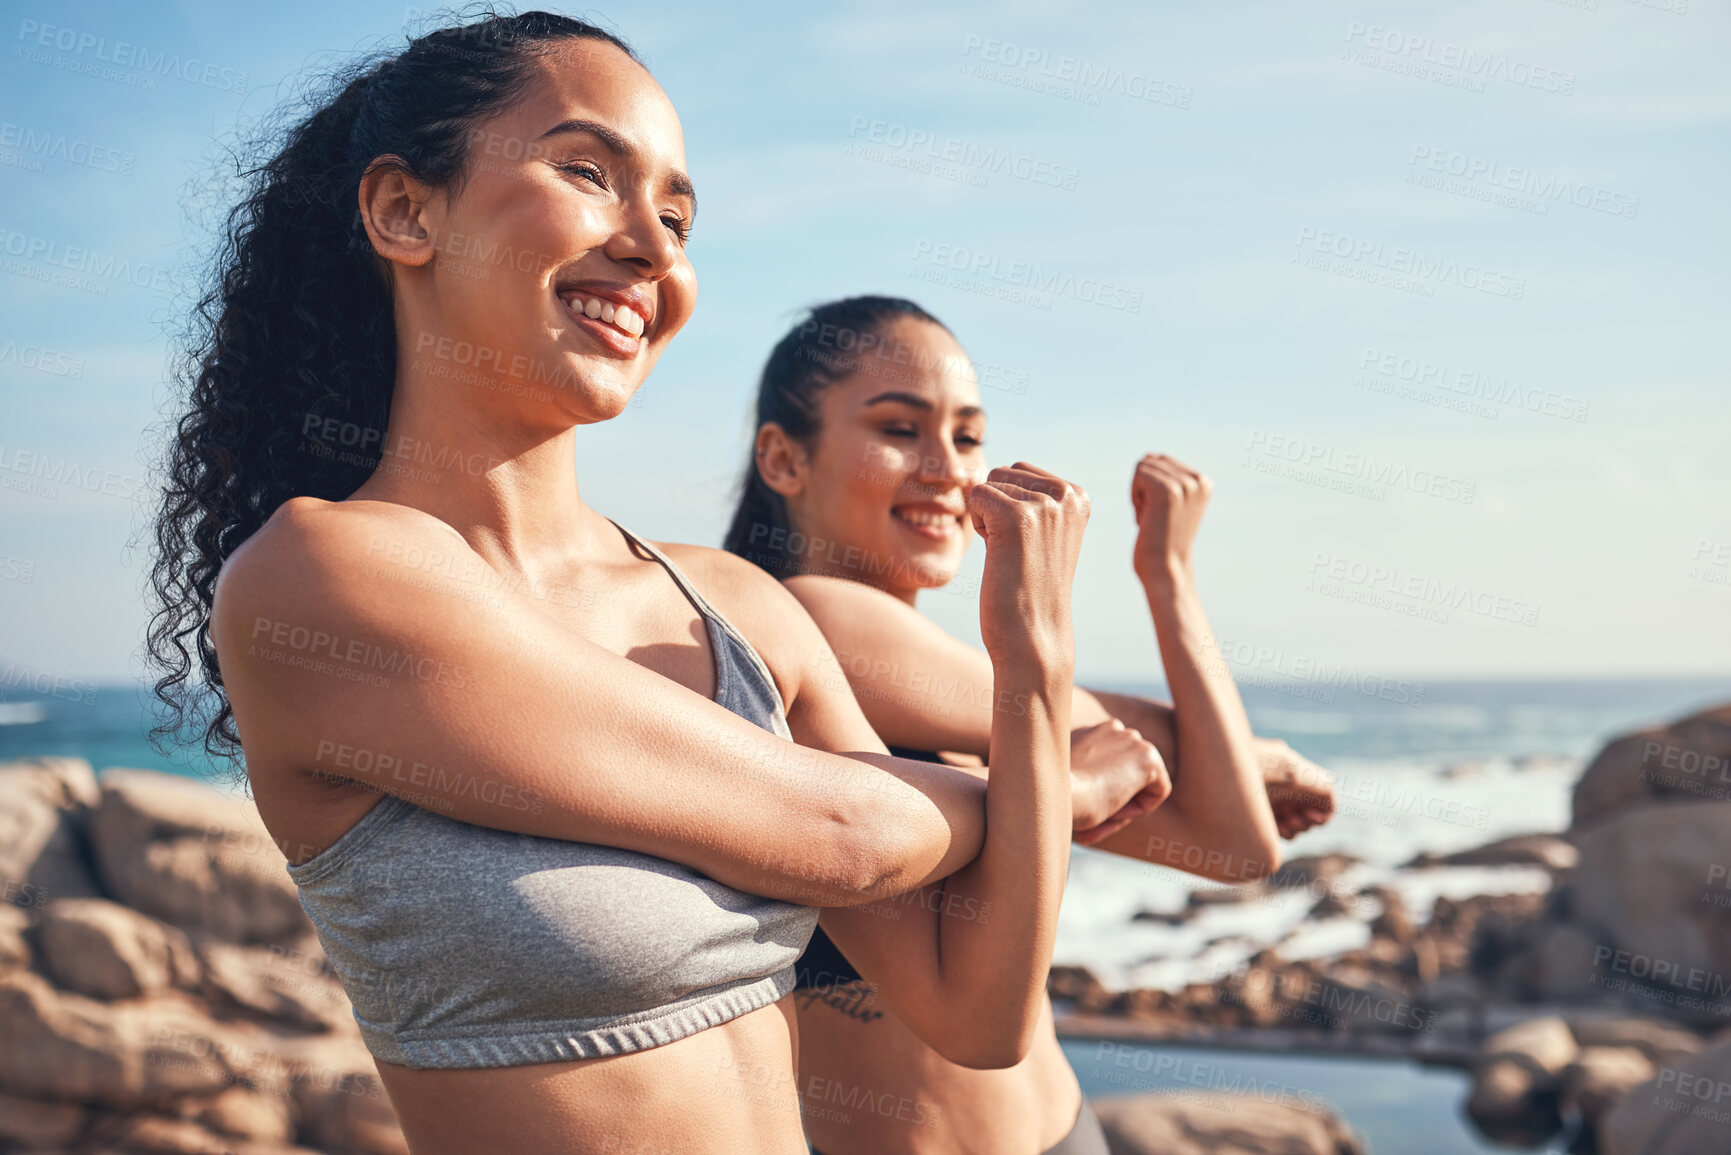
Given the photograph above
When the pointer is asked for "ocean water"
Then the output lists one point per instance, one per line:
(1468, 763)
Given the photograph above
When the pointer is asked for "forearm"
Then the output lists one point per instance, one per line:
(1218, 799)
(999, 918)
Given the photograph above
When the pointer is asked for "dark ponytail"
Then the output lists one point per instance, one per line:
(832, 341)
(290, 360)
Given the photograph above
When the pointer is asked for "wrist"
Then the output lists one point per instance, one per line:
(1165, 575)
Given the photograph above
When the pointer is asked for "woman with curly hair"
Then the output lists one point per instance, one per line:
(537, 779)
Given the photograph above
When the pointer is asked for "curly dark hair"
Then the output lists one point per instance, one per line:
(290, 361)
(832, 341)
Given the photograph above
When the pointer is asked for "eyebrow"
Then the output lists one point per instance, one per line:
(918, 402)
(678, 184)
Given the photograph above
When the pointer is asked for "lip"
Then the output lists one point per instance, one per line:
(614, 340)
(942, 531)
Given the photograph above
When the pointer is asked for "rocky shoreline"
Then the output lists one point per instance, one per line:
(1598, 1012)
(161, 992)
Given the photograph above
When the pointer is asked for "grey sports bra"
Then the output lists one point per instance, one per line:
(465, 946)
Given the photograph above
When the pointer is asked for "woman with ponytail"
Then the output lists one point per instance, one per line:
(537, 779)
(869, 448)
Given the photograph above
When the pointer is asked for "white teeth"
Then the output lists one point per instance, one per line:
(923, 518)
(624, 317)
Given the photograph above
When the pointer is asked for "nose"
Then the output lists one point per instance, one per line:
(942, 465)
(642, 242)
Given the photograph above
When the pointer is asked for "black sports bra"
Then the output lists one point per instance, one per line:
(823, 965)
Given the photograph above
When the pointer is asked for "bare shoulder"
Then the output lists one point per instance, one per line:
(758, 605)
(859, 618)
(311, 550)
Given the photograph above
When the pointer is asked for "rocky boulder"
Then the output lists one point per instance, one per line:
(99, 948)
(44, 803)
(1689, 760)
(1599, 1078)
(194, 858)
(123, 1055)
(1646, 885)
(1206, 1123)
(1543, 850)
(1684, 1110)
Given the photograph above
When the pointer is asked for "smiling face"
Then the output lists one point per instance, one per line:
(900, 445)
(560, 255)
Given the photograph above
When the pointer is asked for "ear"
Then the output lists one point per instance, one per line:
(781, 461)
(399, 213)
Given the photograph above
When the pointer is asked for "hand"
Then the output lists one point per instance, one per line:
(1169, 498)
(1032, 522)
(1300, 792)
(1116, 776)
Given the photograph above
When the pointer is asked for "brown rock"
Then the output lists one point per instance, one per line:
(44, 803)
(275, 984)
(34, 1124)
(1513, 1103)
(1600, 1076)
(1312, 869)
(107, 951)
(244, 1113)
(1679, 762)
(160, 1135)
(1662, 1042)
(1080, 986)
(1546, 1045)
(14, 950)
(123, 1055)
(342, 1103)
(1546, 850)
(1559, 968)
(1640, 882)
(1201, 1123)
(1682, 1112)
(1394, 923)
(193, 857)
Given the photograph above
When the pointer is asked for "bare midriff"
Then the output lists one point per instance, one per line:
(728, 1088)
(868, 1086)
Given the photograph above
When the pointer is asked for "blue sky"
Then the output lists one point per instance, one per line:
(1435, 292)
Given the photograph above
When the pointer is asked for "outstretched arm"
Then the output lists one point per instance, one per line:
(1220, 806)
